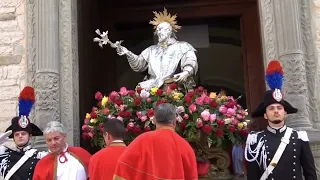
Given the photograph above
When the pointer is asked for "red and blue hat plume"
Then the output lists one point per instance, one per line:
(274, 75)
(26, 101)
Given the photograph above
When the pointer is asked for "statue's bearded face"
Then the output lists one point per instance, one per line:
(163, 31)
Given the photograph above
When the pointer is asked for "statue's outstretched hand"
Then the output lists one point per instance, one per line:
(4, 137)
(121, 50)
(181, 77)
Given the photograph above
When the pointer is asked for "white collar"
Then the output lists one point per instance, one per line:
(276, 131)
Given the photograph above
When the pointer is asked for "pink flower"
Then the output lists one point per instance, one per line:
(199, 123)
(123, 91)
(149, 100)
(111, 116)
(213, 117)
(199, 101)
(186, 116)
(139, 114)
(180, 109)
(122, 107)
(239, 116)
(231, 111)
(228, 115)
(205, 115)
(235, 122)
(143, 118)
(169, 90)
(223, 109)
(90, 134)
(193, 108)
(144, 94)
(86, 121)
(98, 96)
(206, 99)
(130, 126)
(85, 128)
(120, 118)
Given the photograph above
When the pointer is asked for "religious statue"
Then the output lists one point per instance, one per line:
(168, 61)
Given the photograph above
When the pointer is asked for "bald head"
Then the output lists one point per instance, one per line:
(165, 114)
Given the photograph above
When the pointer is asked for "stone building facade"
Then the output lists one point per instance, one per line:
(38, 47)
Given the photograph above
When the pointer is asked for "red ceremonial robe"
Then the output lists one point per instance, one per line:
(103, 163)
(46, 168)
(159, 154)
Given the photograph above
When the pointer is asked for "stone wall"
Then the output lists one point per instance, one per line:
(12, 57)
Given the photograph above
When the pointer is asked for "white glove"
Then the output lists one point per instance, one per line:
(181, 77)
(4, 137)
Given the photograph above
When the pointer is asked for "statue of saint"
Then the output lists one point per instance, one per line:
(168, 61)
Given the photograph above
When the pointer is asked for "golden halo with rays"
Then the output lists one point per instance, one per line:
(165, 17)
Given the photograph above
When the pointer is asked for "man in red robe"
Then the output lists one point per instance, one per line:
(159, 154)
(62, 162)
(103, 163)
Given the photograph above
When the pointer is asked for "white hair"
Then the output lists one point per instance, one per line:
(54, 126)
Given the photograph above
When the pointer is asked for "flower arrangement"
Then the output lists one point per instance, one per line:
(217, 116)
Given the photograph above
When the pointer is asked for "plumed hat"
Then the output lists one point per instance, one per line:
(274, 78)
(22, 122)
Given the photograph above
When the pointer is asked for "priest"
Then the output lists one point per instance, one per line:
(103, 163)
(159, 154)
(63, 161)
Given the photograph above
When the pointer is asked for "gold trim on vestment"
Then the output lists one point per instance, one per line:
(115, 177)
(55, 166)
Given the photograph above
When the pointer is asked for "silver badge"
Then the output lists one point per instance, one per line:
(277, 95)
(23, 122)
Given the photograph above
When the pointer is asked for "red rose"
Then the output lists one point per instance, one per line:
(188, 99)
(113, 96)
(137, 129)
(139, 90)
(159, 92)
(130, 126)
(232, 128)
(93, 115)
(127, 114)
(131, 93)
(98, 96)
(137, 101)
(183, 126)
(219, 132)
(150, 113)
(173, 86)
(213, 103)
(147, 129)
(243, 132)
(161, 102)
(121, 114)
(106, 111)
(207, 128)
(190, 93)
(85, 136)
(119, 101)
(220, 122)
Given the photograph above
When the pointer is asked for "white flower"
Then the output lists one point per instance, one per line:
(144, 94)
(227, 121)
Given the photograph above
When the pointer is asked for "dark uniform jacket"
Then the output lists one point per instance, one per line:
(9, 157)
(262, 146)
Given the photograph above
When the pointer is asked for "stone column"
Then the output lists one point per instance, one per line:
(291, 56)
(47, 66)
